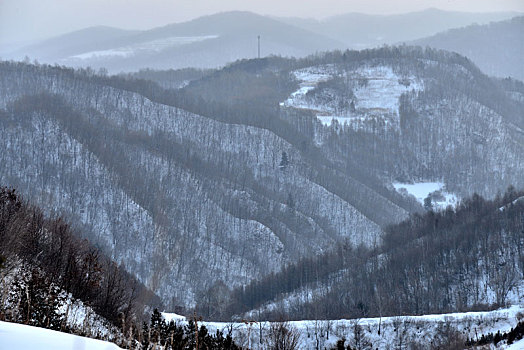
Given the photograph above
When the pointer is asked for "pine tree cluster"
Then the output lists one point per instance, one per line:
(170, 335)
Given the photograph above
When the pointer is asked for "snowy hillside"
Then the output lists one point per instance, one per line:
(413, 119)
(191, 199)
(215, 185)
(17, 337)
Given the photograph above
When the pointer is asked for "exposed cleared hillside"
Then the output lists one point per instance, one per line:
(409, 114)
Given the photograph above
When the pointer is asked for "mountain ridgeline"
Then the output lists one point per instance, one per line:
(216, 40)
(497, 48)
(255, 166)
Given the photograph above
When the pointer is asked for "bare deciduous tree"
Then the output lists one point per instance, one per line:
(283, 336)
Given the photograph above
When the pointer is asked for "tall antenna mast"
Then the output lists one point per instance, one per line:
(259, 46)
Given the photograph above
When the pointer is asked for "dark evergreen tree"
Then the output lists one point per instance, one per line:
(428, 205)
(40, 302)
(284, 162)
(146, 335)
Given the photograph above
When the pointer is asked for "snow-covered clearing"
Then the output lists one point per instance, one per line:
(440, 199)
(308, 80)
(15, 336)
(173, 317)
(393, 330)
(376, 92)
(381, 88)
(148, 46)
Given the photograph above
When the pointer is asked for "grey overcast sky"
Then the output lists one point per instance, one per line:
(23, 20)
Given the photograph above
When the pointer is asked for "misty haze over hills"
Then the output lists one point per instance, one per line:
(360, 31)
(213, 41)
(210, 41)
(366, 169)
(497, 48)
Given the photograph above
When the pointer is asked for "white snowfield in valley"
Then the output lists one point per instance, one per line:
(376, 93)
(395, 331)
(440, 199)
(15, 336)
(148, 46)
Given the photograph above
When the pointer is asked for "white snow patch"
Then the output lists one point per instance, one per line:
(519, 345)
(18, 336)
(309, 78)
(149, 46)
(172, 317)
(420, 190)
(382, 88)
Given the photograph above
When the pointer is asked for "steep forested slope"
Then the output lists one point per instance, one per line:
(51, 278)
(462, 259)
(182, 200)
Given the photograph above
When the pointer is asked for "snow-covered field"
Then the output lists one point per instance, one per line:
(20, 337)
(394, 331)
(440, 199)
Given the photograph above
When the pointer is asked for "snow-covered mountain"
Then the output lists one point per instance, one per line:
(213, 41)
(255, 166)
(210, 41)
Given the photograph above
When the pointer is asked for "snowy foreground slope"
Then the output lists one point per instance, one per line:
(395, 332)
(17, 336)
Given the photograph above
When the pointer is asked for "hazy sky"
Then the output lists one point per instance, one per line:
(22, 20)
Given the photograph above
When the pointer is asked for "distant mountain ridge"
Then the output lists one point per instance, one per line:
(215, 40)
(497, 48)
(209, 41)
(359, 31)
